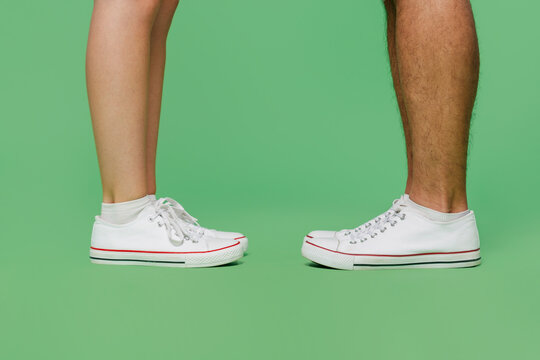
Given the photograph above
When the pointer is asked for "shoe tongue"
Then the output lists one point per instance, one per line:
(403, 199)
(148, 210)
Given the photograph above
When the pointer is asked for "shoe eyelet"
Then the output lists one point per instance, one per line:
(352, 242)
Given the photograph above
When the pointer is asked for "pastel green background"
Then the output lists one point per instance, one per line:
(279, 118)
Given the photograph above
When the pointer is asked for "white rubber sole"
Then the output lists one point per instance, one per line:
(192, 259)
(243, 242)
(344, 261)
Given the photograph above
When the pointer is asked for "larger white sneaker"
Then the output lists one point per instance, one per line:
(402, 237)
(160, 237)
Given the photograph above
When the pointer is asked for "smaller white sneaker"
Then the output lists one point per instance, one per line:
(161, 235)
(402, 237)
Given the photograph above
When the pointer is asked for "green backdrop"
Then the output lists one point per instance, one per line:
(279, 118)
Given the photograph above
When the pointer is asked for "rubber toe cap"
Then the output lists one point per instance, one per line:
(321, 234)
(329, 243)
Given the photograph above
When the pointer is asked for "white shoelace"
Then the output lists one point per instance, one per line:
(378, 225)
(180, 225)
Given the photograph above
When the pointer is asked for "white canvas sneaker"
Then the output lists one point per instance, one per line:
(402, 237)
(192, 223)
(159, 236)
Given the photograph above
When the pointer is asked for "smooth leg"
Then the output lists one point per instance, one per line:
(125, 68)
(117, 68)
(436, 53)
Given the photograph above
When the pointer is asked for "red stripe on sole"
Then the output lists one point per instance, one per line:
(238, 238)
(436, 253)
(311, 237)
(166, 252)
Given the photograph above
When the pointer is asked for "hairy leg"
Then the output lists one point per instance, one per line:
(391, 39)
(438, 62)
(157, 70)
(117, 67)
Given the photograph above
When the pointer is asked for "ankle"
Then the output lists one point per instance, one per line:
(151, 187)
(112, 197)
(451, 202)
(123, 212)
(408, 185)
